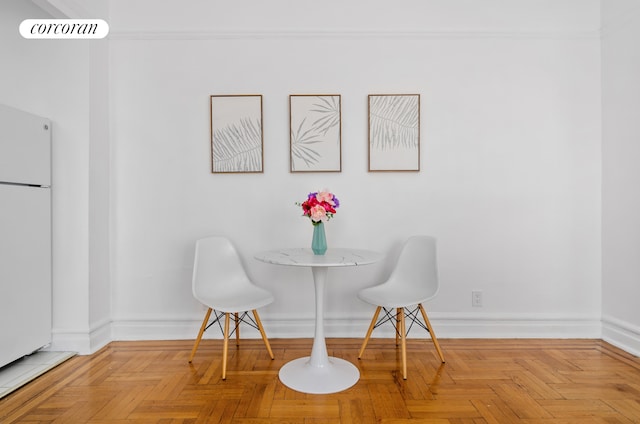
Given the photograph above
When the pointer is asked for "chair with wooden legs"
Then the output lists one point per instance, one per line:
(413, 281)
(221, 283)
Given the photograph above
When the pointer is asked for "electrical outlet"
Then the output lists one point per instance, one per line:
(476, 298)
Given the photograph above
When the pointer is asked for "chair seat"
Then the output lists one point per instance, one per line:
(389, 296)
(246, 299)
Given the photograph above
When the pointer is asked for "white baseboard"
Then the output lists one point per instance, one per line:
(84, 342)
(508, 326)
(161, 329)
(446, 325)
(621, 334)
(70, 341)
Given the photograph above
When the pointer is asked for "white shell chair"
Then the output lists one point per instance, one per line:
(221, 283)
(413, 281)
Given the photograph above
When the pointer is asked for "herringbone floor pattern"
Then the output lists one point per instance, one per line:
(483, 381)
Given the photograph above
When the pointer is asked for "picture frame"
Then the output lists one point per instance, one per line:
(315, 132)
(394, 132)
(237, 140)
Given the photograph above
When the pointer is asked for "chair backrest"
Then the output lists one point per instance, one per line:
(416, 270)
(217, 268)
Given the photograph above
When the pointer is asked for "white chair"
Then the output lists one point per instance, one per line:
(221, 283)
(413, 281)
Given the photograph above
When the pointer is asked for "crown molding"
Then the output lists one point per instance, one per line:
(128, 34)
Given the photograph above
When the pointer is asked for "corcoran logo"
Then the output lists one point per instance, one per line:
(64, 28)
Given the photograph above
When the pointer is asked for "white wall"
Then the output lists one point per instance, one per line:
(511, 163)
(99, 189)
(621, 153)
(58, 79)
(48, 78)
(510, 168)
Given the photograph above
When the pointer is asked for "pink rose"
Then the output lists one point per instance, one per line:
(318, 214)
(325, 196)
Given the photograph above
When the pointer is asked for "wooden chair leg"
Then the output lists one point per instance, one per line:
(237, 329)
(371, 326)
(225, 346)
(399, 311)
(262, 333)
(403, 337)
(202, 328)
(432, 333)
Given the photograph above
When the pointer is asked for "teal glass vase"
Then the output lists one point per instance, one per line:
(319, 240)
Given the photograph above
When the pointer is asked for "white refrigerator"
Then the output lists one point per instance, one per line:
(25, 233)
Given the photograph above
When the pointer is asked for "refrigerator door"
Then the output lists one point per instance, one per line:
(25, 148)
(25, 270)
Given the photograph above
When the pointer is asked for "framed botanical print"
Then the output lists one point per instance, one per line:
(315, 133)
(236, 133)
(394, 132)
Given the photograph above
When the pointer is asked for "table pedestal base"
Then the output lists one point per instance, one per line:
(333, 377)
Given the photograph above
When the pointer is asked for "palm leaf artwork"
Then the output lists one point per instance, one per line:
(315, 132)
(237, 147)
(302, 141)
(328, 109)
(394, 122)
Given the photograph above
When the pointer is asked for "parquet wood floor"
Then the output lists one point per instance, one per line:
(483, 381)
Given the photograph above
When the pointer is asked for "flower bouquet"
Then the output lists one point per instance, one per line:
(319, 207)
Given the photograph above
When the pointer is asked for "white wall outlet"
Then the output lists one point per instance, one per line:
(476, 298)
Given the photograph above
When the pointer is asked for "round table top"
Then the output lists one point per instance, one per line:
(305, 257)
